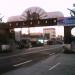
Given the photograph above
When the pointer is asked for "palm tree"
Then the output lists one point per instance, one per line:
(1, 18)
(72, 12)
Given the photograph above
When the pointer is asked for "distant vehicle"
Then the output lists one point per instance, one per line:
(36, 43)
(24, 43)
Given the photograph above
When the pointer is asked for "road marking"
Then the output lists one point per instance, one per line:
(22, 63)
(35, 48)
(54, 66)
(52, 54)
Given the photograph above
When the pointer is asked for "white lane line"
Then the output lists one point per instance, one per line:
(35, 48)
(16, 65)
(52, 54)
(54, 66)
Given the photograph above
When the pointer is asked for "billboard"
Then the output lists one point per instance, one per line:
(67, 21)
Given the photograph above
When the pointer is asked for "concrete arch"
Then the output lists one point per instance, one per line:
(68, 38)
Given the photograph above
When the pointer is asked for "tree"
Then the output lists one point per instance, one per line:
(33, 13)
(1, 17)
(72, 11)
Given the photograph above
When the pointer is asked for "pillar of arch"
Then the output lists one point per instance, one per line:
(68, 38)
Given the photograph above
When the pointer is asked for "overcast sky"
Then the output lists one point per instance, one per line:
(16, 7)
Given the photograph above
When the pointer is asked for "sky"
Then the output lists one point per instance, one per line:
(16, 7)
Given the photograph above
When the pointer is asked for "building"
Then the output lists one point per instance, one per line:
(49, 33)
(33, 36)
(60, 38)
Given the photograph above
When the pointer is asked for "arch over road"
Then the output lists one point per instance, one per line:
(38, 17)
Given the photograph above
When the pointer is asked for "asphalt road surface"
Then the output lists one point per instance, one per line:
(30, 60)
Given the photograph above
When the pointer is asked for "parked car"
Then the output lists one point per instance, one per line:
(24, 43)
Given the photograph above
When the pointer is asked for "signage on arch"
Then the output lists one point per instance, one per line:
(67, 21)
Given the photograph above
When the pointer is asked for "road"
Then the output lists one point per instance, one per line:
(58, 64)
(27, 59)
